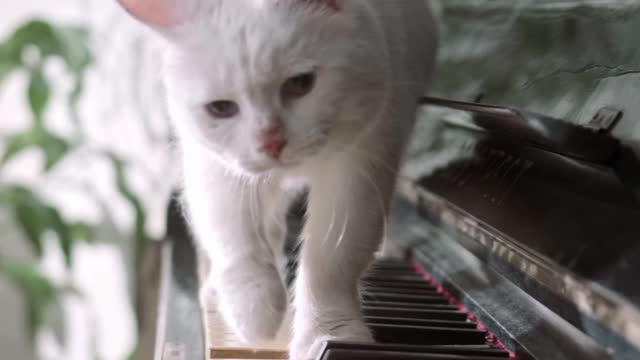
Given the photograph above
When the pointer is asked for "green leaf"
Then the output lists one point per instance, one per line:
(74, 48)
(18, 143)
(35, 217)
(74, 99)
(38, 93)
(83, 232)
(55, 148)
(63, 231)
(140, 236)
(9, 194)
(33, 33)
(7, 65)
(30, 214)
(78, 60)
(33, 224)
(40, 294)
(68, 42)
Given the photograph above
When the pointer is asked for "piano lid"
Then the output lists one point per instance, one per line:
(539, 163)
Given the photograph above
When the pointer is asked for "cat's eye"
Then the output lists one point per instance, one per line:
(298, 86)
(222, 109)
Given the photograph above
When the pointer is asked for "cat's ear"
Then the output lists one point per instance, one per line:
(160, 14)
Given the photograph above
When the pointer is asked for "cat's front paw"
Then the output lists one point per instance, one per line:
(310, 337)
(252, 300)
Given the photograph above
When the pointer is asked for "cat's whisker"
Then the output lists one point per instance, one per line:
(380, 198)
(344, 229)
(345, 224)
(253, 198)
(377, 160)
(330, 228)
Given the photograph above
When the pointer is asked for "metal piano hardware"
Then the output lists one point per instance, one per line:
(529, 238)
(605, 120)
(542, 131)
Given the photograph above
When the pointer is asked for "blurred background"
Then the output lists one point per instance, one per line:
(86, 167)
(85, 175)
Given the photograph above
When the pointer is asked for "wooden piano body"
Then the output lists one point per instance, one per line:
(519, 231)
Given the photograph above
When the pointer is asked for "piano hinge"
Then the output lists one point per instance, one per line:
(605, 119)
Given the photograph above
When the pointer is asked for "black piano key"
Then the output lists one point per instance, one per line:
(398, 283)
(411, 320)
(399, 290)
(387, 355)
(467, 351)
(401, 268)
(390, 262)
(425, 314)
(402, 278)
(401, 305)
(391, 274)
(420, 322)
(393, 297)
(417, 284)
(423, 335)
(396, 274)
(390, 271)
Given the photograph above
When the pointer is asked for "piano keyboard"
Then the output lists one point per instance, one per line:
(410, 317)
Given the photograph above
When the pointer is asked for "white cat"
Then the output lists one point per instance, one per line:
(271, 96)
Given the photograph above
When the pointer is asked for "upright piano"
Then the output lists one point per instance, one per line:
(515, 229)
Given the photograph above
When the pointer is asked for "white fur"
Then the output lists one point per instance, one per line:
(345, 140)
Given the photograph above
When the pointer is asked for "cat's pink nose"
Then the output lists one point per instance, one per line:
(274, 149)
(273, 141)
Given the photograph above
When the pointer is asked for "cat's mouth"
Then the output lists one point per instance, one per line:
(264, 167)
(291, 159)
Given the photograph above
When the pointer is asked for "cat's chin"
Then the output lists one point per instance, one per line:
(260, 169)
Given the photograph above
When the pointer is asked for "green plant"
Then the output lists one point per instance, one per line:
(27, 51)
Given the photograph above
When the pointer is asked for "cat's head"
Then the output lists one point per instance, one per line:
(263, 84)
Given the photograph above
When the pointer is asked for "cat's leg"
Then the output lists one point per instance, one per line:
(347, 205)
(225, 213)
(389, 250)
(276, 207)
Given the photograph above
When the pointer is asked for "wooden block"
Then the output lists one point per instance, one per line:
(224, 344)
